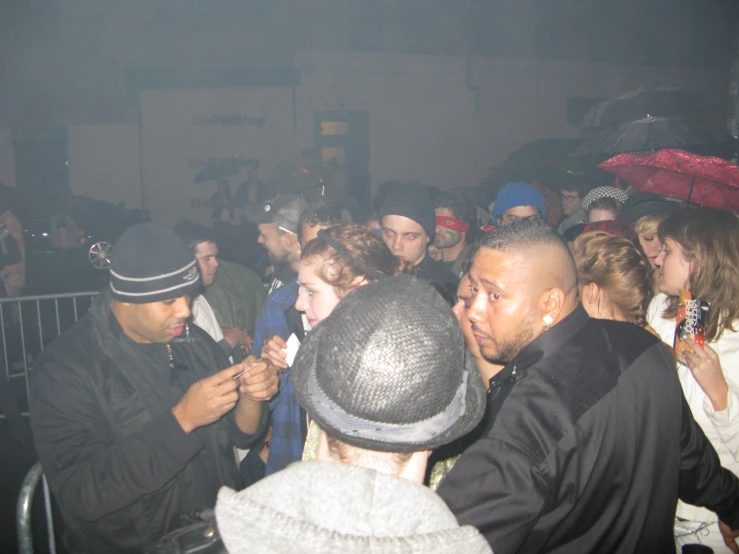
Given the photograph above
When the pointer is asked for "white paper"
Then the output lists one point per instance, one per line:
(306, 325)
(293, 344)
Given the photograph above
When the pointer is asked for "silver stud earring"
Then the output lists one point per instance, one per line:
(547, 319)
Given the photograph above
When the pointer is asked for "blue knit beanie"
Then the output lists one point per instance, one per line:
(518, 194)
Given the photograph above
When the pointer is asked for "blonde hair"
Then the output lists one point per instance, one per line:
(649, 224)
(710, 243)
(621, 270)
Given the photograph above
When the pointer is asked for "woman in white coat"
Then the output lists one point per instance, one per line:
(701, 255)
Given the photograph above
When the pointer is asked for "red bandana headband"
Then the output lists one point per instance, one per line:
(452, 223)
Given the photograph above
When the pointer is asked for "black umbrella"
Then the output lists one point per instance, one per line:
(525, 162)
(538, 151)
(549, 161)
(663, 101)
(651, 133)
(302, 175)
(226, 168)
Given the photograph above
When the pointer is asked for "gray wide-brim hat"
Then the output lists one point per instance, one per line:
(388, 370)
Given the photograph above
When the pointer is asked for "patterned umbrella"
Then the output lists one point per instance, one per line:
(704, 180)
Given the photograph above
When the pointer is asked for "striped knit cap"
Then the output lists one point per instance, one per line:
(150, 263)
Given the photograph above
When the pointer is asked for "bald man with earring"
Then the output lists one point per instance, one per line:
(589, 440)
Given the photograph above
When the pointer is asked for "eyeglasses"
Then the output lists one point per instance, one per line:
(567, 198)
(507, 219)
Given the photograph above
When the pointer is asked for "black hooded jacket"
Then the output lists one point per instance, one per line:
(119, 465)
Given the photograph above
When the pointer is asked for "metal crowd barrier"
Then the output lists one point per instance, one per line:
(24, 518)
(28, 325)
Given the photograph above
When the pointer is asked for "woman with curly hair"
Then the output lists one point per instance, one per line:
(339, 260)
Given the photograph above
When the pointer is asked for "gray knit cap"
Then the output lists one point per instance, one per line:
(388, 370)
(150, 263)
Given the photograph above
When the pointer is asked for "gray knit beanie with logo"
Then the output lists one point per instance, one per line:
(150, 263)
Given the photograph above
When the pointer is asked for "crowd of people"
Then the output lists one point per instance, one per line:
(412, 379)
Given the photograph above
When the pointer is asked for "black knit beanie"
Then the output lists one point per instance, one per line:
(150, 263)
(412, 200)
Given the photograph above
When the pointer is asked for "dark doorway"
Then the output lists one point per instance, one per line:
(343, 136)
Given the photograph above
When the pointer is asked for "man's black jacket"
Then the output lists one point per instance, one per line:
(118, 463)
(590, 444)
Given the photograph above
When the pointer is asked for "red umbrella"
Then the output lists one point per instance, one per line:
(704, 180)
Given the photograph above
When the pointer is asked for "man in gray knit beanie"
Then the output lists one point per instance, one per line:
(135, 413)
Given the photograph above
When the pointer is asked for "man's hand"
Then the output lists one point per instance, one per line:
(246, 344)
(234, 336)
(729, 536)
(237, 337)
(208, 400)
(259, 382)
(274, 351)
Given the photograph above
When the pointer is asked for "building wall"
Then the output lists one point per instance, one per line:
(422, 118)
(104, 162)
(423, 124)
(7, 160)
(65, 62)
(186, 131)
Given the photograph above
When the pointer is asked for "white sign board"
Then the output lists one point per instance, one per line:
(185, 131)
